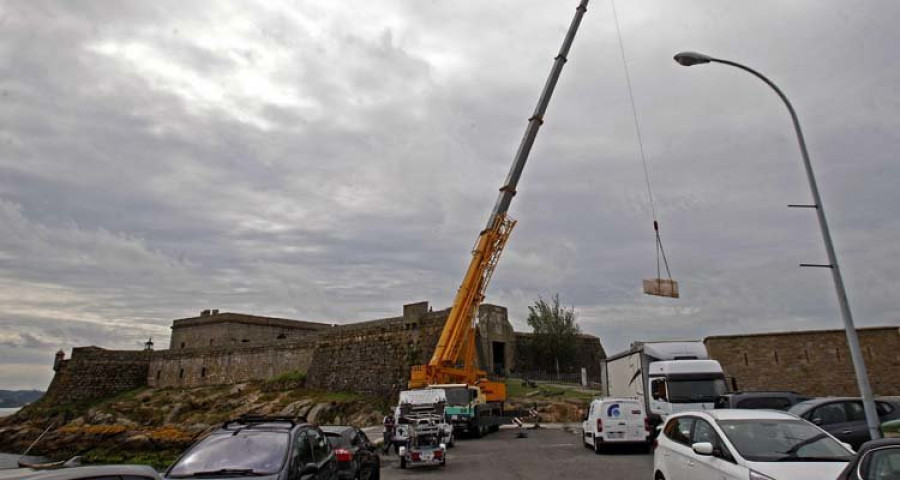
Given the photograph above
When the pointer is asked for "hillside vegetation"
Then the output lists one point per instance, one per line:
(154, 426)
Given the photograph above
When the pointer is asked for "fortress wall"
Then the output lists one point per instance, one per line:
(94, 372)
(374, 358)
(227, 364)
(810, 362)
(234, 329)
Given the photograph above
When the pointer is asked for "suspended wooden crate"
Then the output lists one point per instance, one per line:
(661, 287)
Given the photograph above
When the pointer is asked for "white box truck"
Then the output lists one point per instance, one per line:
(668, 377)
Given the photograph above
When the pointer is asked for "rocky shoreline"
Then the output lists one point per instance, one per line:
(153, 426)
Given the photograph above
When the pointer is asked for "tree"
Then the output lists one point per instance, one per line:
(555, 331)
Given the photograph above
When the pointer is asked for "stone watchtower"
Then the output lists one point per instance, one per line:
(58, 360)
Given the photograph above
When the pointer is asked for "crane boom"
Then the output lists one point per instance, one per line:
(453, 360)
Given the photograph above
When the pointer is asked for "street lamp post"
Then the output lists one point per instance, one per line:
(688, 59)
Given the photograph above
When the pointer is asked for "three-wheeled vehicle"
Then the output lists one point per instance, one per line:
(425, 443)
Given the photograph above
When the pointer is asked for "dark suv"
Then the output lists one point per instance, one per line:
(758, 400)
(261, 448)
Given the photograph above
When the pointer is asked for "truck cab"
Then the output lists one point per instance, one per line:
(682, 385)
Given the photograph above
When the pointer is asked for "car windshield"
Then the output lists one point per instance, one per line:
(242, 452)
(336, 439)
(696, 390)
(782, 441)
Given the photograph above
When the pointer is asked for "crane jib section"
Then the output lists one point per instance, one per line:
(453, 360)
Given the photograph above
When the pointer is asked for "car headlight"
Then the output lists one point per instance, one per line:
(754, 475)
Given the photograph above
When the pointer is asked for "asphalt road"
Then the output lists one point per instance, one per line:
(545, 454)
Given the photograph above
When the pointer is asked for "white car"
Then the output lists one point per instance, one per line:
(615, 420)
(735, 444)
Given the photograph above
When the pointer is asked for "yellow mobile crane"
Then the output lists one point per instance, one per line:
(452, 366)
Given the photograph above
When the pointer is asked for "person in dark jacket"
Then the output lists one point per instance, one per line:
(390, 426)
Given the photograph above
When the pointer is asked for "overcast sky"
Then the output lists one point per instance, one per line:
(331, 161)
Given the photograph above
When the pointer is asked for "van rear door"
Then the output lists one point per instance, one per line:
(623, 421)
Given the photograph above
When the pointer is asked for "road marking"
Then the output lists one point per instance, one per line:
(561, 445)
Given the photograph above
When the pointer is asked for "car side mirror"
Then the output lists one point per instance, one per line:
(702, 448)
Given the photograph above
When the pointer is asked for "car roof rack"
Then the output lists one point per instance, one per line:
(253, 419)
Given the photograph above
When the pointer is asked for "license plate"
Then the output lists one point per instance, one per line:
(613, 435)
(427, 457)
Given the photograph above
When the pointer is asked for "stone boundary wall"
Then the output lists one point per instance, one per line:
(227, 364)
(809, 362)
(94, 373)
(374, 358)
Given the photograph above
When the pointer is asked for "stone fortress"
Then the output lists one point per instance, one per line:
(370, 357)
(374, 357)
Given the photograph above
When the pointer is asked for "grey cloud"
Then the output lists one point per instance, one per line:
(333, 161)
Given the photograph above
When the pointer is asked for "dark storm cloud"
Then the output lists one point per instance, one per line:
(333, 161)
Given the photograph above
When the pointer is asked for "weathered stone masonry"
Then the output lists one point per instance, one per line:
(228, 364)
(96, 373)
(372, 357)
(810, 362)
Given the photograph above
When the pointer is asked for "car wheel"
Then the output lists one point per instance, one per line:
(659, 476)
(402, 462)
(597, 446)
(584, 440)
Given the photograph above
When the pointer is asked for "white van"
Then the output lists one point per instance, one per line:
(615, 420)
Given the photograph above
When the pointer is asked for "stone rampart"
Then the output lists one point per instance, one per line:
(374, 358)
(94, 372)
(227, 364)
(810, 362)
(237, 329)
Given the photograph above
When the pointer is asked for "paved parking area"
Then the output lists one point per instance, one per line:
(545, 454)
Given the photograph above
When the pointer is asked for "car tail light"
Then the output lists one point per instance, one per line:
(647, 424)
(438, 454)
(343, 455)
(415, 456)
(599, 425)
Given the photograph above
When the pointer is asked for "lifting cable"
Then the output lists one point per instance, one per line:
(671, 290)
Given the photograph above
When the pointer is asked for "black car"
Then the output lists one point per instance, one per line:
(757, 400)
(355, 454)
(876, 460)
(260, 448)
(844, 417)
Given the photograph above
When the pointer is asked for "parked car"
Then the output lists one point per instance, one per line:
(876, 460)
(844, 417)
(129, 472)
(733, 444)
(755, 400)
(355, 454)
(611, 420)
(253, 447)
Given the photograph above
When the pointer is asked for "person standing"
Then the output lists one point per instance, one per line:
(390, 426)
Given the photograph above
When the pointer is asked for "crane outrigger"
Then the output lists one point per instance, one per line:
(453, 362)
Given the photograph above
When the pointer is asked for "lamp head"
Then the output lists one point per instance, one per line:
(692, 58)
